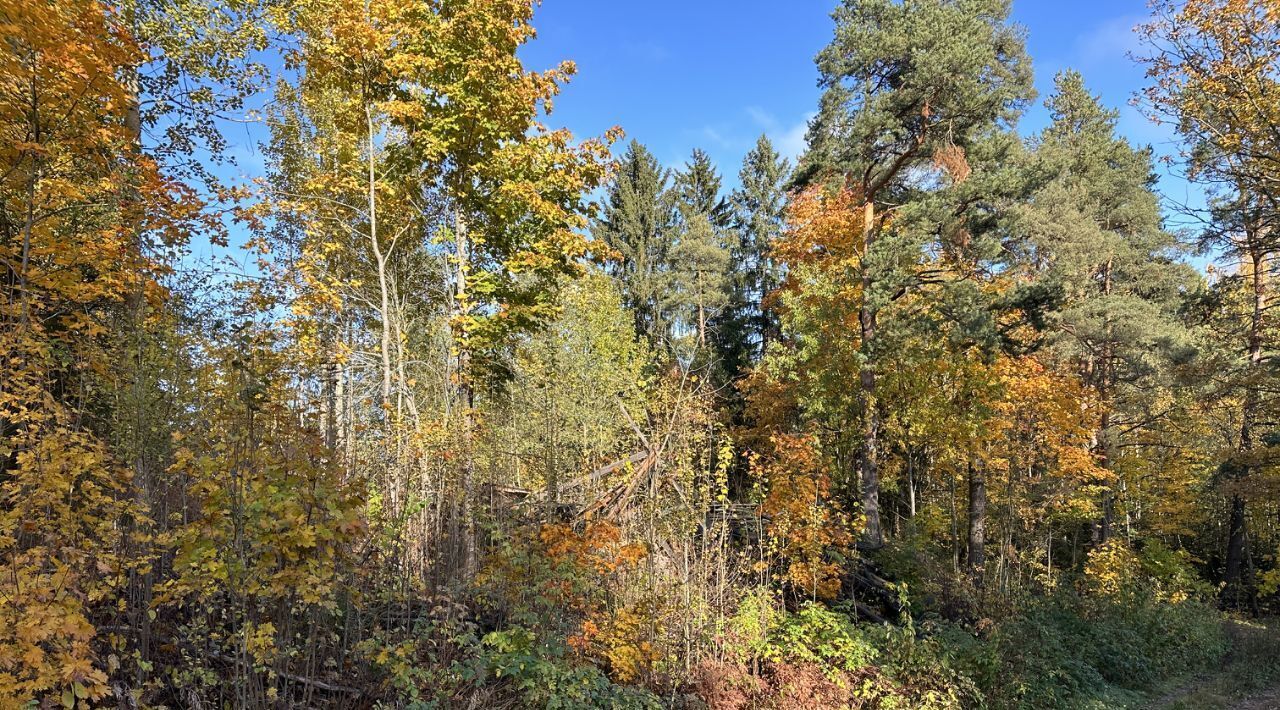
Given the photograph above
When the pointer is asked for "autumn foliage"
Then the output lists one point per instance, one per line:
(411, 398)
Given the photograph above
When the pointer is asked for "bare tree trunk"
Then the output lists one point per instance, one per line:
(380, 262)
(873, 535)
(911, 482)
(329, 398)
(466, 399)
(1233, 592)
(977, 557)
(955, 528)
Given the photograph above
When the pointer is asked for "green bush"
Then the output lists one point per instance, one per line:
(544, 676)
(816, 634)
(924, 666)
(1063, 651)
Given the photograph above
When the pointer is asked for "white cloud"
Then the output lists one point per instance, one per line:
(1112, 40)
(791, 142)
(788, 139)
(716, 137)
(761, 117)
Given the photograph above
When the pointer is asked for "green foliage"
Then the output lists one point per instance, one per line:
(573, 387)
(749, 322)
(750, 628)
(1064, 651)
(636, 224)
(545, 676)
(430, 454)
(902, 79)
(925, 665)
(816, 634)
(1170, 574)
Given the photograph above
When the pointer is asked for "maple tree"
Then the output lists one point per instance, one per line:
(82, 215)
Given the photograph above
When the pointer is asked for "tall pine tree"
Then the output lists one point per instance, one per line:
(1095, 236)
(908, 87)
(700, 255)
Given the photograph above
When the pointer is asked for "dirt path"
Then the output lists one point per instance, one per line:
(1269, 700)
(1248, 680)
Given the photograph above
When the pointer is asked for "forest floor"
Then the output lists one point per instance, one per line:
(1249, 678)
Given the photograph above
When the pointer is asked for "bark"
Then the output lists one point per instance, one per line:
(1237, 534)
(977, 557)
(380, 262)
(329, 400)
(1104, 375)
(1233, 593)
(873, 535)
(466, 400)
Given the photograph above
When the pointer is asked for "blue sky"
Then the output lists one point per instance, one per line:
(714, 74)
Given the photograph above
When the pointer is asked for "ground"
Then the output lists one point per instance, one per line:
(1248, 680)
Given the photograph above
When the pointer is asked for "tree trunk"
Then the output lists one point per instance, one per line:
(1237, 534)
(466, 399)
(873, 535)
(381, 264)
(1103, 374)
(1233, 592)
(977, 521)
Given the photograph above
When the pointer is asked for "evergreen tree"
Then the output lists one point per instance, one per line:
(1095, 236)
(1214, 76)
(697, 191)
(759, 214)
(700, 264)
(637, 224)
(908, 87)
(700, 260)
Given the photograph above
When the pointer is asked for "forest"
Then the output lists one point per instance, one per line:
(942, 413)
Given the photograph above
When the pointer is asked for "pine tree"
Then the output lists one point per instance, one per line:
(1214, 76)
(700, 255)
(908, 87)
(1095, 236)
(697, 191)
(700, 263)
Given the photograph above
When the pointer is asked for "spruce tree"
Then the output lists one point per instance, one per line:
(759, 214)
(697, 191)
(637, 224)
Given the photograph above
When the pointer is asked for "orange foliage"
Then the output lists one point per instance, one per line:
(805, 523)
(618, 636)
(824, 226)
(599, 547)
(1041, 432)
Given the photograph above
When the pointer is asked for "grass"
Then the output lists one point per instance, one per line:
(1248, 680)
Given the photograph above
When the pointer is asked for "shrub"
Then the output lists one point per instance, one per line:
(1065, 650)
(815, 634)
(543, 675)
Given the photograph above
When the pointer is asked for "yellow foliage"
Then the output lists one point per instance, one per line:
(805, 523)
(81, 211)
(1111, 569)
